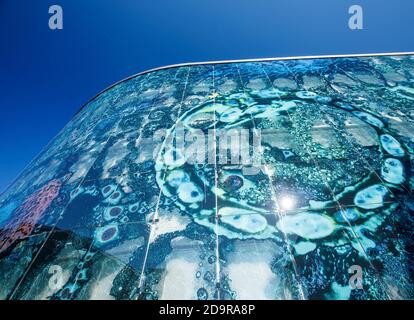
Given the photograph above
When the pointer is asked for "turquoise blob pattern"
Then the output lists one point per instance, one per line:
(113, 208)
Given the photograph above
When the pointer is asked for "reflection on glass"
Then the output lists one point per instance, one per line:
(116, 207)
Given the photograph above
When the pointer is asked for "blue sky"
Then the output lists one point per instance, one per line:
(46, 76)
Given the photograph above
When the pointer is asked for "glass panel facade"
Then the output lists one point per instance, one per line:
(284, 179)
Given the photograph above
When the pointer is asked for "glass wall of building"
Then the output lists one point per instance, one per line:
(284, 179)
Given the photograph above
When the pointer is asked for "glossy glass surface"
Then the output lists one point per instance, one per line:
(113, 209)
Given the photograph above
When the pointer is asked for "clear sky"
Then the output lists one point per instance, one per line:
(46, 76)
